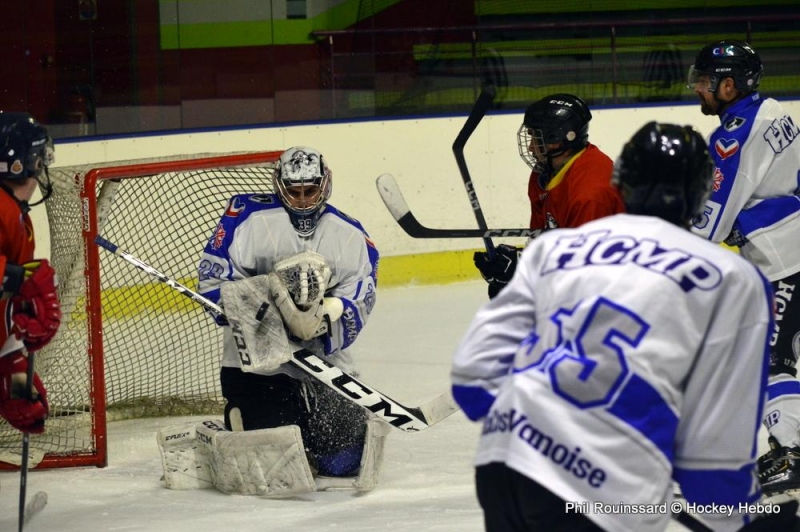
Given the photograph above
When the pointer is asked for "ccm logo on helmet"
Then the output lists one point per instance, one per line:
(560, 102)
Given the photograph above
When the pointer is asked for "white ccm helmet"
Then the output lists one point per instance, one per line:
(302, 181)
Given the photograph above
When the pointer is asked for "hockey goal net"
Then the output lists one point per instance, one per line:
(128, 346)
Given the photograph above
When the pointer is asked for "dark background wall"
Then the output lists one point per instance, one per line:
(100, 66)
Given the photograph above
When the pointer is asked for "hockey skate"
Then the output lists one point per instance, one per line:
(779, 469)
(765, 460)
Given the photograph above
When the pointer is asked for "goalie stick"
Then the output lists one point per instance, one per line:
(393, 199)
(482, 104)
(402, 417)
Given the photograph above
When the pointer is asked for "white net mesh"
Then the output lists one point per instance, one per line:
(161, 351)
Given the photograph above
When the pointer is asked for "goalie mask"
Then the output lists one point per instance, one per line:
(666, 171)
(561, 119)
(302, 181)
(26, 150)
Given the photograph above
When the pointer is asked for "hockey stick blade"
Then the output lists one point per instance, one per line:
(405, 418)
(35, 505)
(393, 199)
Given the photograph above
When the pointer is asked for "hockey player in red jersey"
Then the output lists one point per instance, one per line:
(623, 354)
(570, 181)
(29, 304)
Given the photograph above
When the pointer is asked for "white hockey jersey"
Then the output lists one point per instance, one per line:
(623, 354)
(756, 195)
(255, 233)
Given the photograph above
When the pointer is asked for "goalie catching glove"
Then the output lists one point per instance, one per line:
(297, 287)
(23, 413)
(36, 311)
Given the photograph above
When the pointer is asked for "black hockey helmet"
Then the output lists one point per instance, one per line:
(727, 59)
(26, 149)
(665, 170)
(556, 119)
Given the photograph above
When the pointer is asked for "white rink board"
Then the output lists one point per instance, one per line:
(418, 152)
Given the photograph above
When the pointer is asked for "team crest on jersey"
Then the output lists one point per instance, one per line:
(219, 236)
(734, 123)
(235, 208)
(717, 180)
(725, 148)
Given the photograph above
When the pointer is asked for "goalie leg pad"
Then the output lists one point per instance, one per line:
(266, 462)
(184, 459)
(371, 462)
(372, 456)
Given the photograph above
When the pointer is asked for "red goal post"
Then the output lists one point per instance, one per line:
(129, 347)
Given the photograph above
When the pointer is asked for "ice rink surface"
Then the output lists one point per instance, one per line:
(427, 478)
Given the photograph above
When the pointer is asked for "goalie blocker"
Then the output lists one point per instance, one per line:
(270, 463)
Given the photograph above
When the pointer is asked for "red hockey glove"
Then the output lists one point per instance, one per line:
(36, 311)
(25, 414)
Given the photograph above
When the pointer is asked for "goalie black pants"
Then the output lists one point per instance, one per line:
(333, 428)
(512, 502)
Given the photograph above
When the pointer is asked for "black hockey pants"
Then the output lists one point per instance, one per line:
(333, 428)
(512, 502)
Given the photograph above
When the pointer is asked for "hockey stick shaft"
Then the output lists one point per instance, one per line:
(690, 522)
(405, 418)
(393, 199)
(482, 104)
(26, 447)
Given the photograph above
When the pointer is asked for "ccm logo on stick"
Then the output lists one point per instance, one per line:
(369, 399)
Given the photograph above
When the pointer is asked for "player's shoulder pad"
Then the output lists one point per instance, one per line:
(261, 201)
(333, 211)
(241, 206)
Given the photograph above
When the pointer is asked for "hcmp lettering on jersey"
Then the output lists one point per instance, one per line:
(570, 460)
(783, 295)
(600, 248)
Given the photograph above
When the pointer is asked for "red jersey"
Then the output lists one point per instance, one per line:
(16, 246)
(580, 192)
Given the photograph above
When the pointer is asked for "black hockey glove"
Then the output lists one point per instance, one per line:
(736, 239)
(499, 270)
(784, 521)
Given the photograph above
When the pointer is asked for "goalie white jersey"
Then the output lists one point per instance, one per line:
(255, 233)
(622, 354)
